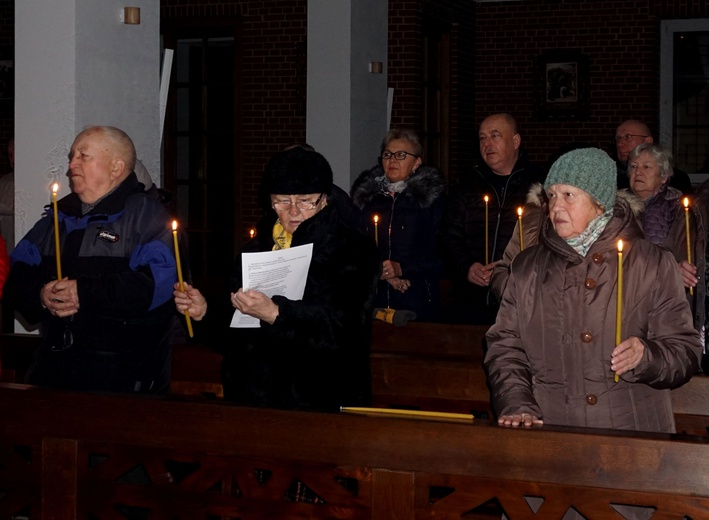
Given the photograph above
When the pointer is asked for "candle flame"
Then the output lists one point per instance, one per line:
(620, 246)
(252, 232)
(519, 211)
(174, 225)
(487, 199)
(376, 218)
(685, 201)
(55, 187)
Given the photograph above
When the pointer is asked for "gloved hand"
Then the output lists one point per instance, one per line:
(394, 316)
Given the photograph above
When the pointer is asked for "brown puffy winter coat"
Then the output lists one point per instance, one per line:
(549, 351)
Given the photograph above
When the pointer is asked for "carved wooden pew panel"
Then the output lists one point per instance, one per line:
(66, 456)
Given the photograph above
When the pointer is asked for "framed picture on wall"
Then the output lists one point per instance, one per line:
(561, 85)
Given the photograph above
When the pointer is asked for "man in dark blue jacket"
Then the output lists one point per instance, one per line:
(106, 323)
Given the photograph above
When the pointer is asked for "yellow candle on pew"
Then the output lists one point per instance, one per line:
(619, 303)
(179, 275)
(408, 414)
(57, 248)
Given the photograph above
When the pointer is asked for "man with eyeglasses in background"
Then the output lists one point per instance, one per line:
(505, 176)
(630, 134)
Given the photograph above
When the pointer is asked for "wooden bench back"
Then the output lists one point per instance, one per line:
(424, 366)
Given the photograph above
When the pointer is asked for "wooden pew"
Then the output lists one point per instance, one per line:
(70, 455)
(429, 366)
(424, 366)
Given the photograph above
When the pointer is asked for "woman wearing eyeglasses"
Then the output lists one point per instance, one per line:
(311, 353)
(407, 198)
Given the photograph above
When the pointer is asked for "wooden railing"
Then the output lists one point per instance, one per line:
(424, 366)
(66, 456)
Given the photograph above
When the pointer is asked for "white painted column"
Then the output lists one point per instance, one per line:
(346, 103)
(77, 64)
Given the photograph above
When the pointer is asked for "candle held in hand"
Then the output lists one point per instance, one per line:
(179, 275)
(686, 229)
(57, 248)
(619, 302)
(487, 238)
(521, 233)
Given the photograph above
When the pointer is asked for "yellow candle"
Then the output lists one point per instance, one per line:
(521, 234)
(57, 249)
(686, 229)
(487, 249)
(619, 302)
(376, 229)
(252, 233)
(179, 275)
(408, 414)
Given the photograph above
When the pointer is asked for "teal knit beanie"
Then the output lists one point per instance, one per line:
(589, 169)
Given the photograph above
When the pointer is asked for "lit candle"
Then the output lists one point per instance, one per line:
(619, 302)
(376, 229)
(521, 234)
(57, 249)
(686, 229)
(487, 249)
(179, 275)
(252, 233)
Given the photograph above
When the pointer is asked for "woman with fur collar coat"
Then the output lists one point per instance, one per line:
(408, 201)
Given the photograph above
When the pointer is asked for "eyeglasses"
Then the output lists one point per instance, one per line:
(303, 205)
(399, 156)
(626, 137)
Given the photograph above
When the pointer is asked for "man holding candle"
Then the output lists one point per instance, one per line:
(106, 323)
(505, 177)
(552, 353)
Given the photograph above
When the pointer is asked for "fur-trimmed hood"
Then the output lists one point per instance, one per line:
(423, 187)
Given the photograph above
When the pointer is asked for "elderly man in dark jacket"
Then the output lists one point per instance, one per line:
(505, 178)
(106, 323)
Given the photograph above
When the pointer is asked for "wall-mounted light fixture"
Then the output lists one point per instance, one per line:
(375, 67)
(131, 15)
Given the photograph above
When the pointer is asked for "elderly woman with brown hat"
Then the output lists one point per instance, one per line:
(552, 354)
(311, 353)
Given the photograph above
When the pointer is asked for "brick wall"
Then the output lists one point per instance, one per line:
(621, 39)
(272, 79)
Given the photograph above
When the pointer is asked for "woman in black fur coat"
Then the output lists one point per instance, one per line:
(408, 200)
(311, 353)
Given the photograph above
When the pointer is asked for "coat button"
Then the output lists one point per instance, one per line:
(586, 337)
(590, 283)
(591, 399)
(597, 258)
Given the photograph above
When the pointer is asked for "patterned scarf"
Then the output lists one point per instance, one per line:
(391, 187)
(588, 236)
(281, 237)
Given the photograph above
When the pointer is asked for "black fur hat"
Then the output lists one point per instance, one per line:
(297, 171)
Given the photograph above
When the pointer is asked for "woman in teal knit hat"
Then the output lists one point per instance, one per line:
(552, 354)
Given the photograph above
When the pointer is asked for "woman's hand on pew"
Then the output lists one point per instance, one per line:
(519, 419)
(190, 300)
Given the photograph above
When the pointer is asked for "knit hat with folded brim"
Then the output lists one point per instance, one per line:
(589, 169)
